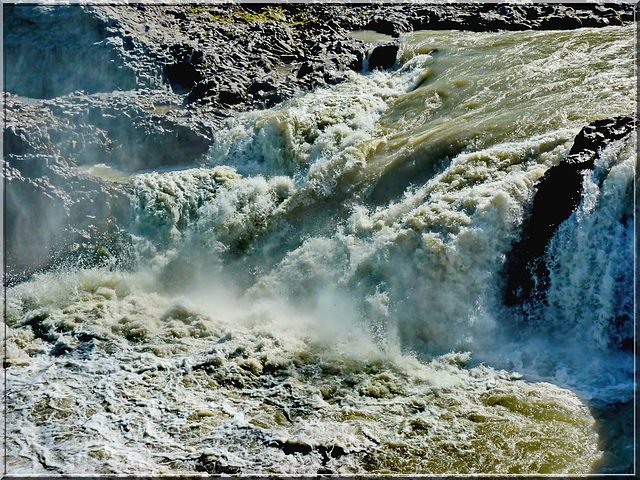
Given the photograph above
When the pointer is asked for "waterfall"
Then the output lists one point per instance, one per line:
(324, 293)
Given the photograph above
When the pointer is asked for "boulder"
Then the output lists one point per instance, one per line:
(383, 57)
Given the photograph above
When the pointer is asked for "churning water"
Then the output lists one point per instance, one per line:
(325, 295)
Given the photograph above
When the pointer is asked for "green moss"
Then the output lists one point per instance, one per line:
(270, 14)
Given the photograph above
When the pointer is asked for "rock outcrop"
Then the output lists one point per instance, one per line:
(383, 57)
(56, 214)
(558, 194)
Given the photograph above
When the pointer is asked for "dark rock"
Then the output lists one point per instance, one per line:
(483, 17)
(271, 98)
(292, 447)
(356, 63)
(58, 214)
(214, 466)
(43, 60)
(183, 76)
(558, 194)
(305, 68)
(606, 11)
(229, 97)
(15, 141)
(616, 427)
(264, 86)
(383, 57)
(383, 25)
(598, 134)
(203, 91)
(564, 22)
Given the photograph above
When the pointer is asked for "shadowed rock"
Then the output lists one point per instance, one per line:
(558, 194)
(54, 213)
(43, 60)
(383, 57)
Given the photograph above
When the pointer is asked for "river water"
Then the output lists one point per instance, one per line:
(325, 295)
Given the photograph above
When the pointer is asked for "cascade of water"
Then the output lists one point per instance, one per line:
(302, 302)
(580, 333)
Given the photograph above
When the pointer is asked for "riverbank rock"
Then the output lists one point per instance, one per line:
(495, 17)
(56, 214)
(558, 194)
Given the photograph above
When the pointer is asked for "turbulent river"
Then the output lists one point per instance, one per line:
(326, 294)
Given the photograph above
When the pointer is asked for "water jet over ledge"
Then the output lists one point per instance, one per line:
(558, 194)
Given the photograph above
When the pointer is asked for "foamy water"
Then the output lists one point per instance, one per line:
(325, 295)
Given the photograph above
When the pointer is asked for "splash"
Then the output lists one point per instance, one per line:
(579, 335)
(117, 378)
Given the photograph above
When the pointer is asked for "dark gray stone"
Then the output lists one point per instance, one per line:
(383, 57)
(55, 214)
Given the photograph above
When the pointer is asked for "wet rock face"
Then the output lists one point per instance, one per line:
(558, 194)
(129, 131)
(44, 60)
(53, 213)
(383, 57)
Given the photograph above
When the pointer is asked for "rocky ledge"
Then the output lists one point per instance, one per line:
(558, 194)
(144, 86)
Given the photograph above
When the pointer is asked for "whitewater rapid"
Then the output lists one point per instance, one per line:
(324, 294)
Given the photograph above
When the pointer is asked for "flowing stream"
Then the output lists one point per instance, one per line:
(325, 295)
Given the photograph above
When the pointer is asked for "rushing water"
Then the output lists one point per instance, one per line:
(325, 295)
